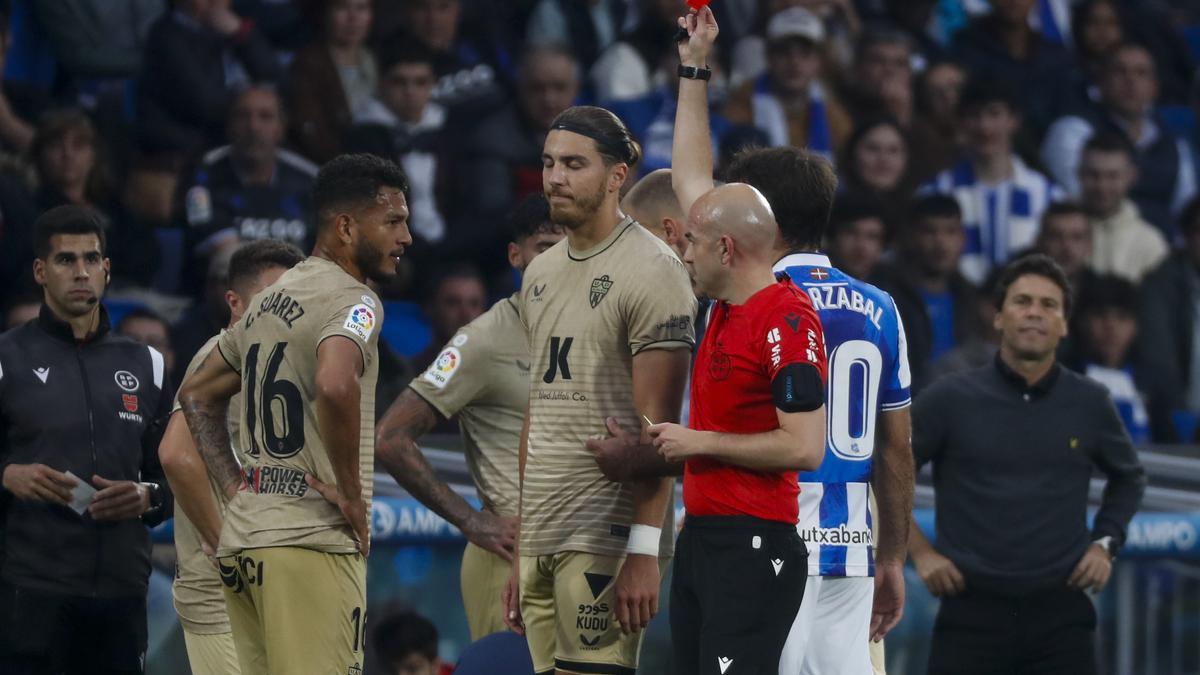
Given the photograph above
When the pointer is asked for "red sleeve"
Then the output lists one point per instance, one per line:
(792, 334)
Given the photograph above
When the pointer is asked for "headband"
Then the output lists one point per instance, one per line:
(617, 146)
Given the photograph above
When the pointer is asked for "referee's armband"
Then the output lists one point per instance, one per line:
(798, 388)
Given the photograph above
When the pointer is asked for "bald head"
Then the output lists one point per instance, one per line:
(740, 211)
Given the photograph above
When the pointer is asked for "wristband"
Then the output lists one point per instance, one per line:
(643, 540)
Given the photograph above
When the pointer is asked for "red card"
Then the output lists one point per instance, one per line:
(697, 4)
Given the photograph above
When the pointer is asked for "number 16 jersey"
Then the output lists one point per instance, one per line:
(868, 374)
(274, 348)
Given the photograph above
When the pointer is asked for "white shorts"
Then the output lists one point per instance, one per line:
(831, 632)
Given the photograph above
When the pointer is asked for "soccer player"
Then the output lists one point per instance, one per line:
(293, 547)
(481, 375)
(757, 416)
(867, 396)
(609, 318)
(197, 589)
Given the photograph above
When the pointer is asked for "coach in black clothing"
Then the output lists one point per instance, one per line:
(76, 400)
(1013, 446)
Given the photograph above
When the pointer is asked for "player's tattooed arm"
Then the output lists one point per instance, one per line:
(205, 401)
(409, 418)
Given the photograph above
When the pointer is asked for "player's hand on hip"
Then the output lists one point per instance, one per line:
(354, 509)
(118, 499)
(888, 604)
(1092, 571)
(674, 442)
(637, 592)
(38, 483)
(940, 575)
(492, 532)
(612, 454)
(510, 599)
(702, 32)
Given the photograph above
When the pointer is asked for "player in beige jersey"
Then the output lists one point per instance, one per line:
(609, 318)
(296, 533)
(481, 375)
(197, 588)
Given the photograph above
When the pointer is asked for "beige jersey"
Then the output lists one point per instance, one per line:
(197, 589)
(482, 376)
(587, 314)
(274, 348)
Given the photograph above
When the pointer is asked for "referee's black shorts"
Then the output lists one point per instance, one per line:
(735, 592)
(48, 633)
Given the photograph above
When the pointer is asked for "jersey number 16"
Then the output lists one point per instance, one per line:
(281, 434)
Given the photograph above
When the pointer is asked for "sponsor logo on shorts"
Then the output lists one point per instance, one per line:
(723, 663)
(594, 616)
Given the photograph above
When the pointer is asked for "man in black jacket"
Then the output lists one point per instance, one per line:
(81, 413)
(1014, 444)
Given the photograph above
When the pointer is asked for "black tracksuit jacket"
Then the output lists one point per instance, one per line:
(93, 408)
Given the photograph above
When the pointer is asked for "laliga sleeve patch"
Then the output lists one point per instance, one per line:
(443, 367)
(361, 322)
(798, 388)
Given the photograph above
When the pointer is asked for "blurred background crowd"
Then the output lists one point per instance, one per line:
(965, 133)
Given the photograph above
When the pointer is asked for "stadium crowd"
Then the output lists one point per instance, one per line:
(965, 134)
(1050, 125)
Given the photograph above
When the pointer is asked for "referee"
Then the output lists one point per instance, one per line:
(757, 416)
(1013, 445)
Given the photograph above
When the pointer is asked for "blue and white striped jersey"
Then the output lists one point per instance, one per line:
(868, 374)
(997, 219)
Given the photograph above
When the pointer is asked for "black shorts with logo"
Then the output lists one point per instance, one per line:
(735, 591)
(42, 632)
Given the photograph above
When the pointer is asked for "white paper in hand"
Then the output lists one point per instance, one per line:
(81, 494)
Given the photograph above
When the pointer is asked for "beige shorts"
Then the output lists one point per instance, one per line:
(484, 575)
(299, 610)
(211, 653)
(567, 603)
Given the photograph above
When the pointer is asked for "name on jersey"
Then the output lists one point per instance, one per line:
(837, 536)
(279, 304)
(838, 297)
(276, 480)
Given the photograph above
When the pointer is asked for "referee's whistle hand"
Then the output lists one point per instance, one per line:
(674, 442)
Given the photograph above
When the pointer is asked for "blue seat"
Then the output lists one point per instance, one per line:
(405, 328)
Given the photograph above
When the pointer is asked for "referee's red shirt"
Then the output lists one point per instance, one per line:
(744, 348)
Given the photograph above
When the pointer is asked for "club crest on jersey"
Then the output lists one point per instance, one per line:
(600, 287)
(360, 321)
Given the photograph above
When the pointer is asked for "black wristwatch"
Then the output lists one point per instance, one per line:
(694, 73)
(156, 496)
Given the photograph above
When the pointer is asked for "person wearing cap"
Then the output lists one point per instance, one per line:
(789, 103)
(81, 415)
